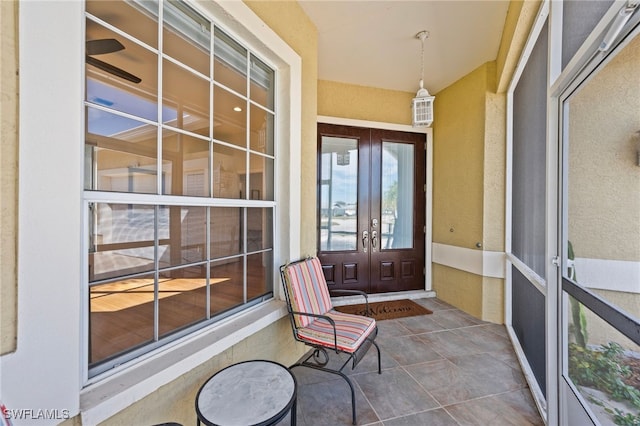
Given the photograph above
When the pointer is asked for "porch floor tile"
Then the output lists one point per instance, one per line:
(447, 368)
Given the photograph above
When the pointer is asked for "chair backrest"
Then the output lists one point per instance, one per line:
(306, 289)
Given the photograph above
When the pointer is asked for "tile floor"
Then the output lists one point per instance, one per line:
(446, 368)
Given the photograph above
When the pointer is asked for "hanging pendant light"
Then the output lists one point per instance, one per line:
(422, 104)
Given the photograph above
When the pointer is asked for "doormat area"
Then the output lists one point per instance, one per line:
(386, 310)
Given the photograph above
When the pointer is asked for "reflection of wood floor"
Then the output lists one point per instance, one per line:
(122, 312)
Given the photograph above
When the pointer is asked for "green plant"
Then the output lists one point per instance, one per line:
(625, 419)
(578, 317)
(603, 370)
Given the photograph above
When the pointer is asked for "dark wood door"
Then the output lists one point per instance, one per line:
(372, 208)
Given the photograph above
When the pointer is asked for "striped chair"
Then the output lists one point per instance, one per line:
(318, 325)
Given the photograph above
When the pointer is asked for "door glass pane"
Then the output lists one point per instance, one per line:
(602, 237)
(397, 196)
(603, 210)
(339, 194)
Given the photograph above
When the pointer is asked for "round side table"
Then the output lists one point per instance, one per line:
(247, 393)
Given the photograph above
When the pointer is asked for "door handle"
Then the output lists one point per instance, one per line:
(365, 238)
(374, 238)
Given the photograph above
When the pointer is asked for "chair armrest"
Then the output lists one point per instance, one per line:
(326, 318)
(355, 292)
(358, 292)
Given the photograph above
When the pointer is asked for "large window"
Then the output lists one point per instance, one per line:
(179, 176)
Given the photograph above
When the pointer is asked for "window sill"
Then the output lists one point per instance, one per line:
(108, 396)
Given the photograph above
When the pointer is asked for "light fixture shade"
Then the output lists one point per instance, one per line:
(422, 106)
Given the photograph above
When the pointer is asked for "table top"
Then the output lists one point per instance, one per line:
(247, 393)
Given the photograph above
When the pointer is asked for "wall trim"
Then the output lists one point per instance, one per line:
(480, 262)
(605, 274)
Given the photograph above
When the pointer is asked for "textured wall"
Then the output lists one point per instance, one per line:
(458, 159)
(604, 176)
(364, 103)
(9, 176)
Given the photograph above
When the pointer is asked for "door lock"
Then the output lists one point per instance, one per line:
(374, 223)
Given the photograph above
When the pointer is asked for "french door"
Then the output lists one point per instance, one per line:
(371, 220)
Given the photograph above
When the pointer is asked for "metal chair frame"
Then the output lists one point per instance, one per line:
(319, 352)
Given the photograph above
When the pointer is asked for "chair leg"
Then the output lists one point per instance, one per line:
(379, 363)
(345, 377)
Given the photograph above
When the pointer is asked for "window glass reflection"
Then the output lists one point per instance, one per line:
(120, 153)
(185, 98)
(186, 168)
(122, 240)
(120, 316)
(186, 36)
(230, 117)
(227, 284)
(182, 298)
(261, 132)
(262, 83)
(129, 70)
(230, 62)
(261, 178)
(226, 236)
(259, 269)
(182, 234)
(259, 229)
(137, 18)
(229, 166)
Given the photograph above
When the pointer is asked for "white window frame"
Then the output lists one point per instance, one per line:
(93, 196)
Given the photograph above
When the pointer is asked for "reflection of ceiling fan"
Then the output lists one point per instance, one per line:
(104, 46)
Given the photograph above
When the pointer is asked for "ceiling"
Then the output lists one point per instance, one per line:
(373, 43)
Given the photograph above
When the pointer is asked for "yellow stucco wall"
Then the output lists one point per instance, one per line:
(364, 103)
(458, 183)
(9, 176)
(458, 157)
(604, 176)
